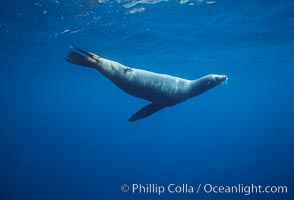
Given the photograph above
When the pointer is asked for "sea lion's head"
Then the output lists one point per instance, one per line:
(210, 81)
(216, 79)
(206, 83)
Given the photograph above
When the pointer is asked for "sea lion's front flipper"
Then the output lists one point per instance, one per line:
(146, 111)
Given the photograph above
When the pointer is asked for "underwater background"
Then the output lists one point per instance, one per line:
(64, 132)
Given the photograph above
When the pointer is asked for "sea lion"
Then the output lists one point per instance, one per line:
(160, 89)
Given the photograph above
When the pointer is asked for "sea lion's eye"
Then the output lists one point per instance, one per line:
(216, 78)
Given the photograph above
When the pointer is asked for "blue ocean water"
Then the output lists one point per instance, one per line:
(64, 129)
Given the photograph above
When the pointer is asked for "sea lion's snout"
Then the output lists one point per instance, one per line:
(224, 78)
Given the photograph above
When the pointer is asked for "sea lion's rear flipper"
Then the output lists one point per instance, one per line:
(92, 55)
(146, 111)
(83, 57)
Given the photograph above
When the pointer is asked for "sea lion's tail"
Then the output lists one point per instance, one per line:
(88, 59)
